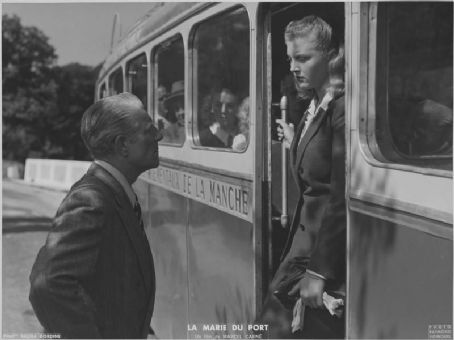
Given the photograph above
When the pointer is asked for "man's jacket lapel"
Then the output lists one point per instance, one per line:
(137, 237)
(129, 221)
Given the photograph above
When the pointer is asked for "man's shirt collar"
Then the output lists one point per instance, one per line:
(120, 179)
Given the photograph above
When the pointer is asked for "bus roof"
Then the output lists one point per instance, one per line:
(161, 17)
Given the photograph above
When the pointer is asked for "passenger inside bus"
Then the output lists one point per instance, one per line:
(433, 128)
(419, 125)
(161, 119)
(218, 120)
(241, 140)
(174, 108)
(415, 96)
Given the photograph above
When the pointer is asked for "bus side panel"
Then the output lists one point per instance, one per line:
(400, 280)
(165, 216)
(221, 271)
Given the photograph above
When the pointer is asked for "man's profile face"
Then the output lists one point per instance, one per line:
(143, 145)
(308, 64)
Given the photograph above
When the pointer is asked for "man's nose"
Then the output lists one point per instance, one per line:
(222, 107)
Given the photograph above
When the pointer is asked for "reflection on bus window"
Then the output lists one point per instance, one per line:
(169, 92)
(137, 78)
(116, 82)
(221, 50)
(102, 91)
(416, 109)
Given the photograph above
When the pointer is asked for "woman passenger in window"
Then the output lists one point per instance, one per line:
(241, 140)
(161, 118)
(174, 104)
(313, 260)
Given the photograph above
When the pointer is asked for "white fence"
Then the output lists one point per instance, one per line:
(54, 173)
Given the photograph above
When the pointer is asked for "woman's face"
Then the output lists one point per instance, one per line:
(176, 106)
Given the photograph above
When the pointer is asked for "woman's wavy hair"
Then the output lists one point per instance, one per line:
(327, 41)
(337, 73)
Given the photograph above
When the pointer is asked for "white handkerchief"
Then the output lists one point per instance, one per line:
(298, 316)
(333, 305)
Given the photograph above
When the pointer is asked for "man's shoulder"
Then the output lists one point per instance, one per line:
(89, 182)
(89, 190)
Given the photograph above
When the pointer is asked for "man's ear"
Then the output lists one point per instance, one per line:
(120, 146)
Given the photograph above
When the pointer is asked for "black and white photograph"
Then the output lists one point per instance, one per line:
(227, 170)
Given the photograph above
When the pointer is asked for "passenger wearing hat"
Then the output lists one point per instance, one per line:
(161, 117)
(174, 103)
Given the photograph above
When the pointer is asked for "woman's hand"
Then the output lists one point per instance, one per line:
(310, 289)
(285, 132)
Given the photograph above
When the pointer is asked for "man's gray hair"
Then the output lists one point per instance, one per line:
(106, 119)
(311, 25)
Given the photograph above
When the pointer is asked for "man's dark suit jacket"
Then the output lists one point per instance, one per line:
(94, 277)
(317, 238)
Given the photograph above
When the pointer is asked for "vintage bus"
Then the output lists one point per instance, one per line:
(213, 210)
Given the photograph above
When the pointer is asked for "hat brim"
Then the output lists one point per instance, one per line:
(174, 96)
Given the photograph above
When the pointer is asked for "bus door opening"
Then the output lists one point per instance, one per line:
(282, 84)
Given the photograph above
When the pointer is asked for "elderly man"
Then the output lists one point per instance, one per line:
(94, 277)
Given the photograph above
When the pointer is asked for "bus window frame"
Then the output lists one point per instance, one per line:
(202, 158)
(128, 84)
(100, 87)
(194, 135)
(382, 102)
(111, 75)
(367, 118)
(154, 80)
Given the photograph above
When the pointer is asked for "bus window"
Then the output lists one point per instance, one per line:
(414, 83)
(221, 98)
(102, 91)
(116, 82)
(137, 78)
(169, 91)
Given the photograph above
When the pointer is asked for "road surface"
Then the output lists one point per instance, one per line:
(26, 216)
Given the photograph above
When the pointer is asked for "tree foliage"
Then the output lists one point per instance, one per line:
(75, 92)
(42, 102)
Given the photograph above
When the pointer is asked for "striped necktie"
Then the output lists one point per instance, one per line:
(138, 212)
